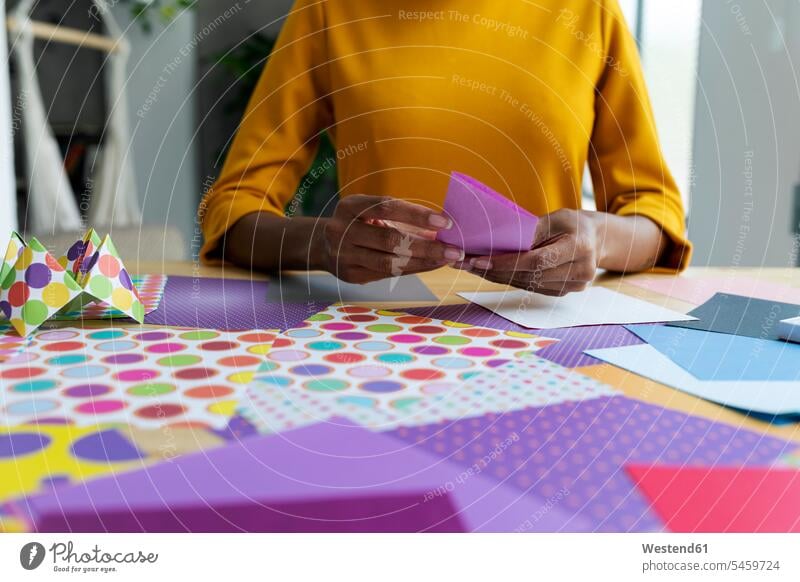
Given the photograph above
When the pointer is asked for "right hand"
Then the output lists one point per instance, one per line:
(375, 237)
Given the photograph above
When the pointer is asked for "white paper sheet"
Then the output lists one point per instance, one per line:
(755, 396)
(595, 306)
(789, 329)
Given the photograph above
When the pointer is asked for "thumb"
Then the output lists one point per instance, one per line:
(551, 227)
(543, 231)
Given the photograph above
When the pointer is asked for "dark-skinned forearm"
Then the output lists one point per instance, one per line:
(628, 243)
(267, 242)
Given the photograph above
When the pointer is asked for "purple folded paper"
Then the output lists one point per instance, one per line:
(484, 221)
(227, 304)
(332, 476)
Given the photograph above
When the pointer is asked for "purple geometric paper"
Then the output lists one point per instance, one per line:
(226, 304)
(332, 476)
(572, 454)
(574, 340)
(108, 446)
(568, 352)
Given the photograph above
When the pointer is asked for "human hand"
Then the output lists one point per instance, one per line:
(374, 237)
(564, 258)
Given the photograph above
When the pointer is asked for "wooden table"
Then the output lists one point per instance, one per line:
(445, 283)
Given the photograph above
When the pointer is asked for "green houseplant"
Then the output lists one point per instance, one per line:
(144, 11)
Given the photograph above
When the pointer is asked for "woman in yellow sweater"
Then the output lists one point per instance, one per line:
(520, 95)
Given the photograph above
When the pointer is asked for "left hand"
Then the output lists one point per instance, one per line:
(564, 258)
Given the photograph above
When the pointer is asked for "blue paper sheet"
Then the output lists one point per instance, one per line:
(717, 356)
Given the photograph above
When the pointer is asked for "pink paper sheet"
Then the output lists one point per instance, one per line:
(697, 290)
(722, 499)
(484, 221)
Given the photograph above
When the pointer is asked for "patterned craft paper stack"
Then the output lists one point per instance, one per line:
(35, 286)
(147, 377)
(372, 366)
(529, 382)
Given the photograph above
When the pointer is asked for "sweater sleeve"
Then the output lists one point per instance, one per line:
(629, 173)
(279, 133)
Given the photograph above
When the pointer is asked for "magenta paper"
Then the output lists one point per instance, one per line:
(484, 221)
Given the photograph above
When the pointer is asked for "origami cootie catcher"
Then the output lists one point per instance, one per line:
(34, 286)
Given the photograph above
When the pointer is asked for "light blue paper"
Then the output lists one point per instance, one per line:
(708, 355)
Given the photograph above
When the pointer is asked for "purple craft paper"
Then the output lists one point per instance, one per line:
(484, 221)
(568, 352)
(331, 476)
(573, 454)
(226, 304)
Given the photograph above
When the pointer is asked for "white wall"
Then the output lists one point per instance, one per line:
(161, 93)
(8, 192)
(747, 133)
(670, 39)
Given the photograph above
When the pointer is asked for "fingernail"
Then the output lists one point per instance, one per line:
(481, 263)
(453, 254)
(439, 221)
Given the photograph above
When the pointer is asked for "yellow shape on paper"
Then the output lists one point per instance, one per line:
(223, 407)
(520, 334)
(24, 474)
(390, 313)
(242, 377)
(122, 299)
(55, 295)
(449, 323)
(25, 259)
(12, 250)
(12, 525)
(260, 349)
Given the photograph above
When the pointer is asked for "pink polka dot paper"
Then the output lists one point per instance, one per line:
(349, 359)
(143, 376)
(530, 382)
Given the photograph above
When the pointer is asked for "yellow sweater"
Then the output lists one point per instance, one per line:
(520, 95)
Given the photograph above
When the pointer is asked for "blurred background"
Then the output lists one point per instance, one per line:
(137, 101)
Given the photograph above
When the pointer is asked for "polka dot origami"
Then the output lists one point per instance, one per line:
(13, 250)
(34, 286)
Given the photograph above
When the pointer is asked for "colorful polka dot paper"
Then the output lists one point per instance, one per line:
(36, 286)
(142, 376)
(348, 359)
